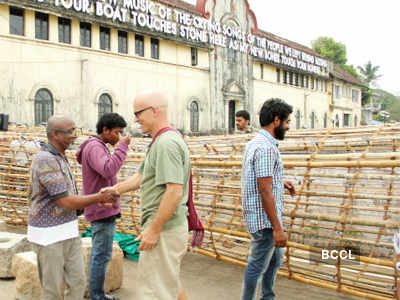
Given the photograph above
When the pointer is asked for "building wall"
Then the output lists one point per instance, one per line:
(343, 102)
(304, 100)
(77, 76)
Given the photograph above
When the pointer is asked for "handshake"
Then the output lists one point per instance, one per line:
(108, 196)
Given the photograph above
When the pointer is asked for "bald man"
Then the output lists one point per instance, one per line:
(163, 178)
(53, 224)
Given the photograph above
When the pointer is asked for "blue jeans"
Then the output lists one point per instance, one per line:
(102, 241)
(264, 260)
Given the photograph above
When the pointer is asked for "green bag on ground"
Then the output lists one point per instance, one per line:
(125, 241)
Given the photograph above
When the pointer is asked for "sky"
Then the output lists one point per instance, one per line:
(368, 28)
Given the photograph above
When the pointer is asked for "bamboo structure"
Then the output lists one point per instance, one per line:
(348, 197)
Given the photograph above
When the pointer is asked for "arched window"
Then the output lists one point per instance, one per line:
(105, 104)
(325, 120)
(232, 56)
(43, 106)
(194, 117)
(313, 120)
(298, 119)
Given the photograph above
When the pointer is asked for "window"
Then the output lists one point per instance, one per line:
(43, 106)
(296, 79)
(337, 91)
(155, 48)
(306, 81)
(298, 119)
(261, 71)
(337, 121)
(105, 104)
(64, 30)
(346, 120)
(122, 42)
(86, 34)
(194, 55)
(232, 59)
(301, 80)
(41, 26)
(105, 38)
(355, 95)
(231, 115)
(139, 45)
(291, 78)
(278, 75)
(317, 82)
(194, 117)
(284, 76)
(312, 120)
(312, 82)
(16, 21)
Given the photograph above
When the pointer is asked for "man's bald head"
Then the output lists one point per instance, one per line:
(58, 122)
(151, 111)
(151, 98)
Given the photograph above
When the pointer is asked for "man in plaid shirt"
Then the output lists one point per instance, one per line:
(262, 199)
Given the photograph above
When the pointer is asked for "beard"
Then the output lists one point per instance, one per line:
(280, 132)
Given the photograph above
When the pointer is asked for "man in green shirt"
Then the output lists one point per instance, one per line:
(163, 178)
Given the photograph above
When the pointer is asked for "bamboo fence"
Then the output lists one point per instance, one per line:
(348, 197)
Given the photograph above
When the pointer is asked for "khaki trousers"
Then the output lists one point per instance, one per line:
(58, 263)
(159, 268)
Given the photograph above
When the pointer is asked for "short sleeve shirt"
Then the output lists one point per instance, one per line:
(166, 162)
(50, 179)
(261, 158)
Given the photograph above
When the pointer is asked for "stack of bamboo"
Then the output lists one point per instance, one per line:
(348, 197)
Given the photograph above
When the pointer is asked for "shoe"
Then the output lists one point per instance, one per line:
(110, 297)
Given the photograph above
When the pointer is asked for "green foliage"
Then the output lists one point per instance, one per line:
(389, 103)
(369, 73)
(366, 95)
(395, 110)
(336, 52)
(328, 48)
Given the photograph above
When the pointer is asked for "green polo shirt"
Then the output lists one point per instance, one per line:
(166, 162)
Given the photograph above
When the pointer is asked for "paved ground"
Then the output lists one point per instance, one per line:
(204, 278)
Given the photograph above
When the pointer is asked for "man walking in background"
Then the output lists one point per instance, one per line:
(262, 199)
(243, 122)
(99, 170)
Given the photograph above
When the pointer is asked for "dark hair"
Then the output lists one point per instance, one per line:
(272, 108)
(244, 114)
(111, 121)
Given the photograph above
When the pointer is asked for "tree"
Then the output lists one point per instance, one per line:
(328, 48)
(369, 73)
(395, 110)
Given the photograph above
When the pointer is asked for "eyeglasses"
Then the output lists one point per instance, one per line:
(72, 131)
(138, 112)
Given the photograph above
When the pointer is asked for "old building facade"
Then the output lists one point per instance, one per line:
(84, 58)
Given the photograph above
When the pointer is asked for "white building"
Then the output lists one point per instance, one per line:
(83, 58)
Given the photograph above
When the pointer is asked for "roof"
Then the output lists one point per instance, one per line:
(286, 42)
(340, 73)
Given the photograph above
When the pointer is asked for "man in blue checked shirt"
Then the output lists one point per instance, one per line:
(262, 199)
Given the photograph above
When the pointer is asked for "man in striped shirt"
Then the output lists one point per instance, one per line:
(262, 199)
